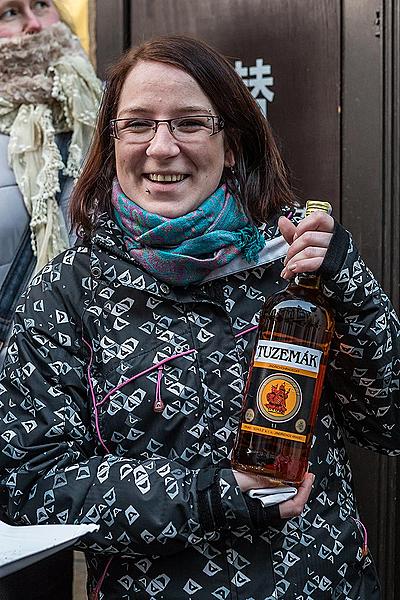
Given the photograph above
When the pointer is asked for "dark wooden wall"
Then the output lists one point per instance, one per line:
(335, 65)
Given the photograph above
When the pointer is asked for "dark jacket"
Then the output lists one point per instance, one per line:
(119, 406)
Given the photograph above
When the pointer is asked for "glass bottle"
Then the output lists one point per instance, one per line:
(285, 380)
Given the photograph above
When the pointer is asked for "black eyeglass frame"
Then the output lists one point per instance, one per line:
(218, 124)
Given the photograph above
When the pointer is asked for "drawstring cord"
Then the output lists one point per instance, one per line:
(95, 594)
(364, 534)
(246, 331)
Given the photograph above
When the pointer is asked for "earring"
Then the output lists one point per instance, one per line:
(233, 172)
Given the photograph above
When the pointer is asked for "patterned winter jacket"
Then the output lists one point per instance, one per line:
(119, 405)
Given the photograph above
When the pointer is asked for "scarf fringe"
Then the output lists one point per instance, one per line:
(251, 242)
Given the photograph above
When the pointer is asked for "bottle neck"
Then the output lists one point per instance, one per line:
(307, 280)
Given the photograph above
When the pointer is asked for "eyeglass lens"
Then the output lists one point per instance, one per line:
(182, 128)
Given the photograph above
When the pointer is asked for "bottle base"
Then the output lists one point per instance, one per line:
(271, 480)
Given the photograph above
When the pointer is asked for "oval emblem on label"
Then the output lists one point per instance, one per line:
(279, 398)
(249, 415)
(300, 425)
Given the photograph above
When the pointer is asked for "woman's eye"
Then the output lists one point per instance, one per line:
(135, 125)
(192, 123)
(8, 14)
(40, 5)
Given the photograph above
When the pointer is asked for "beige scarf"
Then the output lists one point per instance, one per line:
(47, 86)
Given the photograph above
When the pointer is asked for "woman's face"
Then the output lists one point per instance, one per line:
(19, 17)
(155, 90)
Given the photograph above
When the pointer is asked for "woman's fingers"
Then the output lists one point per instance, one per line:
(308, 242)
(287, 229)
(308, 260)
(317, 221)
(294, 507)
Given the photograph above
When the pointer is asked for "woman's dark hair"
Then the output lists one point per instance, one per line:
(260, 180)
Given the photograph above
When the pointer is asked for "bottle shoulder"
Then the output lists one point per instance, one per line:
(296, 296)
(297, 313)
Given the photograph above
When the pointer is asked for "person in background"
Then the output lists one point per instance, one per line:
(130, 353)
(49, 96)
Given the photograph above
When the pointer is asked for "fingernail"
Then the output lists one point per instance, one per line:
(295, 236)
(283, 274)
(293, 267)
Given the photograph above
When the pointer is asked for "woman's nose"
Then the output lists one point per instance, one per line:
(163, 144)
(31, 23)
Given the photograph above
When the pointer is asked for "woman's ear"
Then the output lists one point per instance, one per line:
(229, 157)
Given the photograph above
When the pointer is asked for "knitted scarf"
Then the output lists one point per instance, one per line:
(186, 249)
(47, 86)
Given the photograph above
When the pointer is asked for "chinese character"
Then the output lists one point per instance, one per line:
(257, 80)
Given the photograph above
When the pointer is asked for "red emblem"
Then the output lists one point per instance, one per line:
(276, 399)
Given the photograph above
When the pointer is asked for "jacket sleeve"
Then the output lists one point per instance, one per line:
(52, 466)
(363, 373)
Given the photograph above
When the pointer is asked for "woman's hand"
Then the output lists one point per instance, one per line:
(308, 242)
(294, 507)
(290, 508)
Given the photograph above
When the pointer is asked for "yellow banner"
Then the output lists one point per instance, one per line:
(263, 365)
(287, 435)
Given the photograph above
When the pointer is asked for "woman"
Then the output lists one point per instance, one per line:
(124, 378)
(49, 96)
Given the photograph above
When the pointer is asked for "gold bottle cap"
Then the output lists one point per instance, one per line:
(313, 205)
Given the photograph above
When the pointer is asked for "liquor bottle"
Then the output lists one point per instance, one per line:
(285, 380)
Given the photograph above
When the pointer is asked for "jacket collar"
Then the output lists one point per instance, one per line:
(108, 237)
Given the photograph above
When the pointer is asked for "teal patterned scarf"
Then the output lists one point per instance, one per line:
(186, 249)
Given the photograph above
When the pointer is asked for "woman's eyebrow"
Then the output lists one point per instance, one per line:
(131, 111)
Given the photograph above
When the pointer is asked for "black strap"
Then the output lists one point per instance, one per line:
(16, 279)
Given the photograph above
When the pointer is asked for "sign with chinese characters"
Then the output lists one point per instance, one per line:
(258, 79)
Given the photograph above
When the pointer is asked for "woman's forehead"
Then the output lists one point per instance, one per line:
(155, 84)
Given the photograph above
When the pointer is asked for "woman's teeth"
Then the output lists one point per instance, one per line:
(165, 178)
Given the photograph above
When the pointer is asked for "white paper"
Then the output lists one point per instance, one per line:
(24, 545)
(270, 496)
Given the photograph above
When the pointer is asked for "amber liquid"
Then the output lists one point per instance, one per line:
(298, 315)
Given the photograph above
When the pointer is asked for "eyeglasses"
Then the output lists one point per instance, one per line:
(184, 129)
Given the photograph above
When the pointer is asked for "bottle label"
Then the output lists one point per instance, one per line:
(281, 390)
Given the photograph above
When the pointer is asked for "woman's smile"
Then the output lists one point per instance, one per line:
(166, 177)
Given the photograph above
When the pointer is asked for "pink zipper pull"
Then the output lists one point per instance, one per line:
(158, 405)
